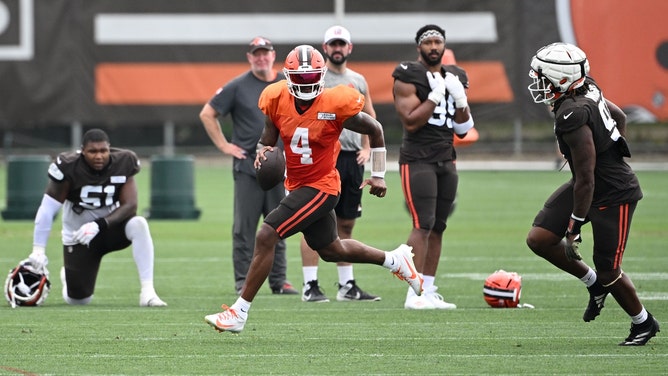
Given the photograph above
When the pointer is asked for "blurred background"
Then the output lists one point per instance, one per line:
(143, 69)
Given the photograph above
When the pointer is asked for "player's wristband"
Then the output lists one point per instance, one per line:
(378, 158)
(463, 127)
(574, 224)
(102, 223)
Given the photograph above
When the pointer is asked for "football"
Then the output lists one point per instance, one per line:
(271, 170)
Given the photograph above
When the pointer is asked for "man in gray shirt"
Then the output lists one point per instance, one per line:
(238, 98)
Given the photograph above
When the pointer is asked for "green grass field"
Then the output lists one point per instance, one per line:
(284, 336)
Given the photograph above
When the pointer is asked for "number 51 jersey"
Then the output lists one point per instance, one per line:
(92, 194)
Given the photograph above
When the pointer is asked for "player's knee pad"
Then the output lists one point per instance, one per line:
(136, 226)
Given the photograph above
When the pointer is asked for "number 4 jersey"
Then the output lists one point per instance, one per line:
(92, 194)
(311, 138)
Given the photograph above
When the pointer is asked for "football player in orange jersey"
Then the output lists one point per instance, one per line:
(309, 120)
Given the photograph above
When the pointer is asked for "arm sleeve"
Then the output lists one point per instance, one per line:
(44, 220)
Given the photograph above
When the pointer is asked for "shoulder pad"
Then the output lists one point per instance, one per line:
(410, 72)
(63, 164)
(569, 117)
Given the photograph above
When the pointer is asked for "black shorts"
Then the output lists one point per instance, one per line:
(429, 190)
(82, 263)
(610, 225)
(309, 211)
(352, 174)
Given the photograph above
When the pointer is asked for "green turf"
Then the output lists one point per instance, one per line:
(193, 273)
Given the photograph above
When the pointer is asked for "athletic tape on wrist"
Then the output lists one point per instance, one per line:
(378, 159)
(463, 127)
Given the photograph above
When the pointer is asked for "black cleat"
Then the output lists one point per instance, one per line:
(312, 293)
(641, 333)
(597, 295)
(350, 291)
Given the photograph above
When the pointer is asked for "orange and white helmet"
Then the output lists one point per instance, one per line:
(502, 289)
(305, 72)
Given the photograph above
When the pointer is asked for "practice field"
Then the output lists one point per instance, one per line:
(284, 336)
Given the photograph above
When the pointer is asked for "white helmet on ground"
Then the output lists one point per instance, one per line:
(26, 286)
(557, 69)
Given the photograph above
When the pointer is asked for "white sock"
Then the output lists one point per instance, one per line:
(345, 274)
(641, 317)
(242, 306)
(310, 273)
(391, 262)
(428, 282)
(590, 278)
(147, 287)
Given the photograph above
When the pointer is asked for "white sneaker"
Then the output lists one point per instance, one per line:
(406, 271)
(418, 302)
(226, 321)
(151, 300)
(437, 300)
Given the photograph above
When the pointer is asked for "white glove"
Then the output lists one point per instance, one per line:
(437, 84)
(86, 233)
(37, 259)
(456, 90)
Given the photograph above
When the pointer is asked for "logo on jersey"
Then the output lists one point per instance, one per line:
(326, 116)
(55, 172)
(117, 179)
(569, 115)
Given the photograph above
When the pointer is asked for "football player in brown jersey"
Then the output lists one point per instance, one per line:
(603, 189)
(96, 190)
(430, 99)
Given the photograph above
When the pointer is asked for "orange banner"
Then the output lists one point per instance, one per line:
(192, 84)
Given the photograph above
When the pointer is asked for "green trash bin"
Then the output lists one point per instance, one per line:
(173, 188)
(26, 181)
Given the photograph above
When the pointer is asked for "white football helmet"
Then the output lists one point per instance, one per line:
(305, 72)
(557, 69)
(503, 289)
(25, 286)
